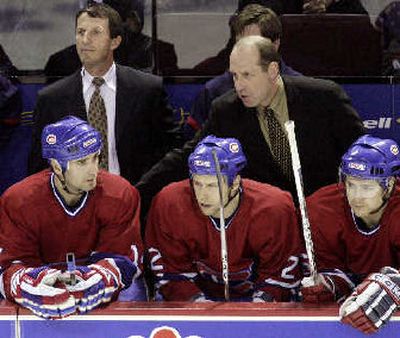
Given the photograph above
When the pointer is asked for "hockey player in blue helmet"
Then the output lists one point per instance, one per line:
(74, 209)
(183, 232)
(72, 148)
(202, 169)
(356, 235)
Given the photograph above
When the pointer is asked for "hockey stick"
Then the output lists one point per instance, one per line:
(224, 250)
(289, 125)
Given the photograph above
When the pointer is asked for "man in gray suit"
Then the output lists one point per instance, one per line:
(139, 121)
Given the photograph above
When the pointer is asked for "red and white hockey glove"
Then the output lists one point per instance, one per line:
(261, 297)
(37, 290)
(95, 284)
(373, 302)
(320, 291)
(200, 298)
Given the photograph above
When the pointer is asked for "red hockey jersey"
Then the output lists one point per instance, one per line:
(343, 249)
(264, 245)
(37, 229)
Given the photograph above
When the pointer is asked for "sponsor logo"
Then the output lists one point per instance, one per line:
(357, 166)
(165, 332)
(380, 123)
(200, 163)
(233, 147)
(51, 139)
(89, 142)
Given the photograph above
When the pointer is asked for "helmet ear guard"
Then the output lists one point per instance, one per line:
(69, 139)
(229, 152)
(371, 158)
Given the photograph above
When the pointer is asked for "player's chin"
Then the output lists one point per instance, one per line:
(361, 211)
(89, 185)
(207, 210)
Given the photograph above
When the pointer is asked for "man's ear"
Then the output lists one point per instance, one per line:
(115, 42)
(273, 71)
(56, 167)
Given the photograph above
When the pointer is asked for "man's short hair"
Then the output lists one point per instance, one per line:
(266, 19)
(99, 10)
(266, 49)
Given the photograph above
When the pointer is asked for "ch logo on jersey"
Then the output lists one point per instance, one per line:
(51, 139)
(239, 280)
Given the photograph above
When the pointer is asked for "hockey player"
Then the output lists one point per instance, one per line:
(356, 234)
(183, 233)
(72, 208)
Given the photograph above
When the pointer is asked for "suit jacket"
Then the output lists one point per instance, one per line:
(325, 124)
(143, 119)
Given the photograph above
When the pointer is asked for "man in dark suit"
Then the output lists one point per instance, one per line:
(326, 124)
(138, 118)
(136, 49)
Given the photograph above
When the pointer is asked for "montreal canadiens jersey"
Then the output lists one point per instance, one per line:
(263, 240)
(36, 229)
(345, 250)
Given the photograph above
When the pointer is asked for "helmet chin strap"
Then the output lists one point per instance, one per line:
(383, 204)
(65, 187)
(385, 199)
(231, 198)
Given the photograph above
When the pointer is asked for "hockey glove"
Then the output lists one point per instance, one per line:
(96, 284)
(36, 290)
(373, 302)
(261, 297)
(200, 298)
(320, 291)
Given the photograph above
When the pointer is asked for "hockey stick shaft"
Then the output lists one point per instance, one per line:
(289, 125)
(224, 250)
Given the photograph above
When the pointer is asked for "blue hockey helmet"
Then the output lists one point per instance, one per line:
(69, 139)
(371, 158)
(229, 152)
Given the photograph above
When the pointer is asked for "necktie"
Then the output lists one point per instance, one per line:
(97, 118)
(279, 144)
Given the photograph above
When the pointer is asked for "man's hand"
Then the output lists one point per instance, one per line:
(96, 284)
(373, 302)
(37, 290)
(321, 290)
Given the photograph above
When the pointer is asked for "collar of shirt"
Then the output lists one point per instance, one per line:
(279, 103)
(110, 79)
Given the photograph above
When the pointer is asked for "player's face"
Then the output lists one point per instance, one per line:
(207, 194)
(81, 174)
(93, 41)
(252, 81)
(364, 196)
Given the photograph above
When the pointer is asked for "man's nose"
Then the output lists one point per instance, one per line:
(85, 37)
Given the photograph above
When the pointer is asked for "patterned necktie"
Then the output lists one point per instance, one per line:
(279, 144)
(97, 118)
